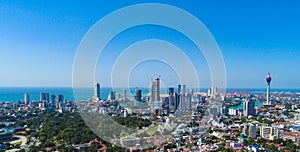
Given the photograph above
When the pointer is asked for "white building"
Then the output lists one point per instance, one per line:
(269, 133)
(26, 99)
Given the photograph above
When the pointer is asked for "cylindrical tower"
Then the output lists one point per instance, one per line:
(268, 79)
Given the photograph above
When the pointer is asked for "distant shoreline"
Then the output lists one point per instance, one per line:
(14, 94)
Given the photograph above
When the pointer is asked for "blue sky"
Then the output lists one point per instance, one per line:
(38, 41)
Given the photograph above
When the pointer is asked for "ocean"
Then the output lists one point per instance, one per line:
(13, 94)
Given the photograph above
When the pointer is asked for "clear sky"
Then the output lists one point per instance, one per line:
(39, 39)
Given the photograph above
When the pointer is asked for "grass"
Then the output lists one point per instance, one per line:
(152, 130)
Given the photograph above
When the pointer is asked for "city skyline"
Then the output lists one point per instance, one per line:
(40, 40)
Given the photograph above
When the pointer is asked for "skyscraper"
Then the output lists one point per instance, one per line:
(268, 79)
(183, 89)
(249, 130)
(47, 97)
(26, 99)
(184, 100)
(171, 91)
(252, 131)
(53, 100)
(138, 95)
(214, 91)
(44, 97)
(171, 98)
(155, 103)
(155, 90)
(60, 98)
(96, 91)
(249, 108)
(179, 89)
(124, 93)
(112, 95)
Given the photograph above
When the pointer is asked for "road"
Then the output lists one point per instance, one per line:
(18, 138)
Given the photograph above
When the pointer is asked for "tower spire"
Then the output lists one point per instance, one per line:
(268, 79)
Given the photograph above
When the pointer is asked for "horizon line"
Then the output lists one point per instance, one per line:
(119, 87)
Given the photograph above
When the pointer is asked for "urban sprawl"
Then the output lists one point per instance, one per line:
(178, 121)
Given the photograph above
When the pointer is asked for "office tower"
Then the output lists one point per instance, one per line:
(96, 91)
(171, 91)
(179, 89)
(26, 99)
(112, 95)
(214, 91)
(268, 79)
(245, 130)
(269, 133)
(44, 97)
(118, 96)
(124, 93)
(249, 108)
(176, 101)
(53, 100)
(138, 95)
(209, 92)
(185, 101)
(252, 131)
(171, 98)
(47, 99)
(155, 90)
(60, 98)
(188, 102)
(192, 92)
(183, 89)
(249, 130)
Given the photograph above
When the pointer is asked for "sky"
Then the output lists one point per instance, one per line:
(39, 41)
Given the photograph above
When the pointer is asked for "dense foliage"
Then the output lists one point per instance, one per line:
(62, 131)
(133, 122)
(59, 130)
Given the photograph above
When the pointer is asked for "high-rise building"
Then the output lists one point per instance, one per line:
(252, 131)
(44, 97)
(26, 99)
(214, 91)
(171, 91)
(209, 92)
(53, 100)
(112, 95)
(249, 130)
(268, 79)
(60, 98)
(155, 90)
(124, 93)
(171, 98)
(155, 101)
(183, 89)
(176, 101)
(96, 91)
(191, 91)
(188, 102)
(184, 100)
(138, 95)
(268, 132)
(179, 89)
(249, 108)
(47, 97)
